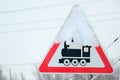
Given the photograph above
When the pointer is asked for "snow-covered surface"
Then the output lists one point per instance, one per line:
(77, 27)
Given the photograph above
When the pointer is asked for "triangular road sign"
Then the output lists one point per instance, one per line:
(76, 49)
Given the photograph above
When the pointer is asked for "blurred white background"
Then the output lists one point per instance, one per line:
(27, 27)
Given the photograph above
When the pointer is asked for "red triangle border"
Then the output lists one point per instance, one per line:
(45, 68)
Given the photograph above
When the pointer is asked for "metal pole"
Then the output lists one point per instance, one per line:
(10, 74)
(116, 39)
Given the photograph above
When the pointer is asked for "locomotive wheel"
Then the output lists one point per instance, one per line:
(74, 62)
(83, 62)
(66, 62)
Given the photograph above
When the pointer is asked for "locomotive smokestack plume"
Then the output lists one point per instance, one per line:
(72, 40)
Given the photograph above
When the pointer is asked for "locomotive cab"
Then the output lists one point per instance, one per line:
(86, 51)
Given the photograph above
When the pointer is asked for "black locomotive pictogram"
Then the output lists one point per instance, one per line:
(75, 56)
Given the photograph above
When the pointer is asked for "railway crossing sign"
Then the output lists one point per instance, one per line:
(76, 48)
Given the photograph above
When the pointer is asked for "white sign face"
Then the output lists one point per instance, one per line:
(76, 49)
